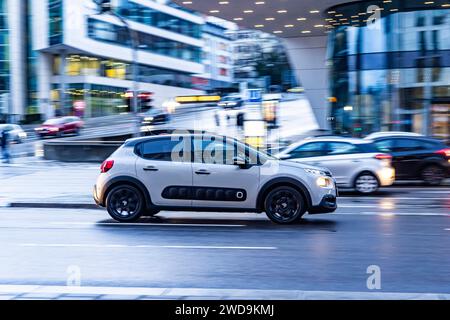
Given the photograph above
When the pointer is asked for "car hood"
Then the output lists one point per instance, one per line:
(292, 164)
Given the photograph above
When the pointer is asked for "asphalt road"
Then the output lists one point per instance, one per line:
(405, 232)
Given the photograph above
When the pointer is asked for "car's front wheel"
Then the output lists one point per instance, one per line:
(125, 203)
(285, 205)
(367, 183)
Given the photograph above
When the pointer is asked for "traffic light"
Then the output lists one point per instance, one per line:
(146, 101)
(104, 6)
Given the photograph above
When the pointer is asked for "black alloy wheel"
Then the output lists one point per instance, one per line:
(285, 205)
(125, 204)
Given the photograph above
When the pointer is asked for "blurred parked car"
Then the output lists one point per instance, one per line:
(416, 157)
(16, 132)
(154, 117)
(60, 126)
(231, 102)
(354, 163)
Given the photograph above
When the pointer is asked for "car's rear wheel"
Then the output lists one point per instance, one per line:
(367, 183)
(433, 175)
(125, 203)
(285, 205)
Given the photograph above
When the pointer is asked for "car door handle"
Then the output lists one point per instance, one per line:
(203, 172)
(151, 168)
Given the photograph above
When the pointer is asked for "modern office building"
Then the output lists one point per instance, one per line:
(365, 65)
(260, 60)
(85, 58)
(217, 56)
(58, 55)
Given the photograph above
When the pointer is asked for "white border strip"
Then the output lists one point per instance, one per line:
(30, 290)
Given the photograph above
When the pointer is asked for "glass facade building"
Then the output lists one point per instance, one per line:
(390, 67)
(108, 32)
(150, 17)
(4, 56)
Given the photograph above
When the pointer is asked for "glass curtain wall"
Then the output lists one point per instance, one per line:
(390, 68)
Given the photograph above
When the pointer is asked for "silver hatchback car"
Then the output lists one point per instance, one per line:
(354, 163)
(209, 173)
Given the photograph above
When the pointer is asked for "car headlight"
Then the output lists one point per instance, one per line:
(325, 182)
(149, 119)
(316, 172)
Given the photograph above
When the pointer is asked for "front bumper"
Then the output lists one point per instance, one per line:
(327, 205)
(386, 177)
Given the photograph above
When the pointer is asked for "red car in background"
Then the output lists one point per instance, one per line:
(60, 126)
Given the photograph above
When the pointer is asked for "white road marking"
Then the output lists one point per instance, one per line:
(390, 213)
(448, 229)
(150, 224)
(235, 294)
(101, 246)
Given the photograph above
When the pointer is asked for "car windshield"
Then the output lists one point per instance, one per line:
(6, 127)
(228, 99)
(53, 122)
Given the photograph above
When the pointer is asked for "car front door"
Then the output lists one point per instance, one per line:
(165, 166)
(218, 182)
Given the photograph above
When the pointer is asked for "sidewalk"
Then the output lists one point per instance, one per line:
(33, 181)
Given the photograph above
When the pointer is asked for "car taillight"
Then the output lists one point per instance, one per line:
(383, 157)
(106, 166)
(444, 152)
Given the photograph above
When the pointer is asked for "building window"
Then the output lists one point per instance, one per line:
(55, 22)
(107, 32)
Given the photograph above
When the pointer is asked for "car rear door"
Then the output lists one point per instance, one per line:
(217, 181)
(164, 165)
(408, 156)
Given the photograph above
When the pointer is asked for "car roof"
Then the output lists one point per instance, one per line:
(335, 139)
(187, 133)
(392, 134)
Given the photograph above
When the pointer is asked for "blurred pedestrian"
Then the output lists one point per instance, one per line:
(4, 143)
(217, 118)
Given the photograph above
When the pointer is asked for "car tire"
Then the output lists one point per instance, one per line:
(285, 205)
(125, 203)
(367, 183)
(433, 175)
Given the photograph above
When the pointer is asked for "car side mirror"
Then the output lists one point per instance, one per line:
(241, 163)
(284, 157)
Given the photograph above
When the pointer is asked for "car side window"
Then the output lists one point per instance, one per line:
(220, 150)
(169, 150)
(385, 145)
(213, 150)
(403, 145)
(309, 150)
(341, 148)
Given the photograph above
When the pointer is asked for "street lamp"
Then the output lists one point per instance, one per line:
(106, 8)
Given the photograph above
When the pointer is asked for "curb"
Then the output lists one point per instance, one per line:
(32, 205)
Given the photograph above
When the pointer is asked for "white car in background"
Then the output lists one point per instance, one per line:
(16, 132)
(354, 163)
